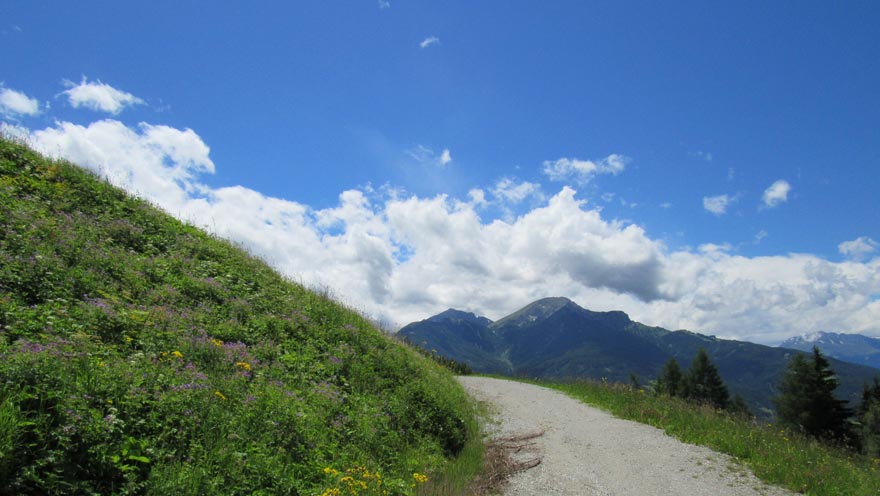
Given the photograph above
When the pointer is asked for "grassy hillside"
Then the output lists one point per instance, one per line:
(140, 355)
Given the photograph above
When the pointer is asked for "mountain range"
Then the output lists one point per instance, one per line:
(556, 338)
(853, 348)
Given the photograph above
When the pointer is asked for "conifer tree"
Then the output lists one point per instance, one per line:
(868, 415)
(806, 398)
(703, 383)
(671, 379)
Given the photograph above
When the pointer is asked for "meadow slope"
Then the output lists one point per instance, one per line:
(140, 355)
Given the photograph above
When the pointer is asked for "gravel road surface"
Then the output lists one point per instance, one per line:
(585, 451)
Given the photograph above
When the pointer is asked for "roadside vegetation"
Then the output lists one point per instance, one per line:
(139, 355)
(814, 448)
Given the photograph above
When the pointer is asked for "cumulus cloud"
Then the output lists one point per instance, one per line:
(99, 96)
(776, 193)
(718, 204)
(858, 248)
(581, 171)
(431, 40)
(401, 257)
(14, 104)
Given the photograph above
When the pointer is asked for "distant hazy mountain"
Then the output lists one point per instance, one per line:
(556, 338)
(853, 348)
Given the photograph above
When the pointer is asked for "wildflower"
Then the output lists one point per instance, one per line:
(331, 471)
(128, 339)
(420, 478)
(333, 491)
(219, 395)
(243, 365)
(216, 342)
(177, 354)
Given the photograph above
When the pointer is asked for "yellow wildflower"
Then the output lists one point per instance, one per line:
(219, 395)
(177, 354)
(216, 342)
(420, 478)
(243, 365)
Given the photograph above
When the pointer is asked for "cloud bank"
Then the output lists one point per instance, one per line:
(401, 258)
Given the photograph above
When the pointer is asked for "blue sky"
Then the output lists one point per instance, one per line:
(705, 166)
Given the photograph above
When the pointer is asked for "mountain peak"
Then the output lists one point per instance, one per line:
(855, 348)
(538, 310)
(453, 314)
(814, 337)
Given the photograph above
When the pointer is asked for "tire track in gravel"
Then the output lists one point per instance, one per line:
(585, 451)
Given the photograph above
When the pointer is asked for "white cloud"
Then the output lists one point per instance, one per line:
(581, 171)
(759, 236)
(14, 104)
(134, 159)
(99, 96)
(714, 250)
(718, 204)
(401, 258)
(431, 40)
(477, 197)
(424, 155)
(384, 4)
(510, 191)
(776, 193)
(445, 157)
(858, 248)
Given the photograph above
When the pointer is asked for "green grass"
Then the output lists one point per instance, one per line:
(139, 355)
(775, 456)
(457, 476)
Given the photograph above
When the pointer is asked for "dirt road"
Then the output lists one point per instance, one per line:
(585, 451)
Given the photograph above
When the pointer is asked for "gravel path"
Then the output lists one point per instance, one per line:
(585, 451)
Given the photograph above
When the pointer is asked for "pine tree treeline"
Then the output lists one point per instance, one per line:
(806, 402)
(868, 414)
(700, 384)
